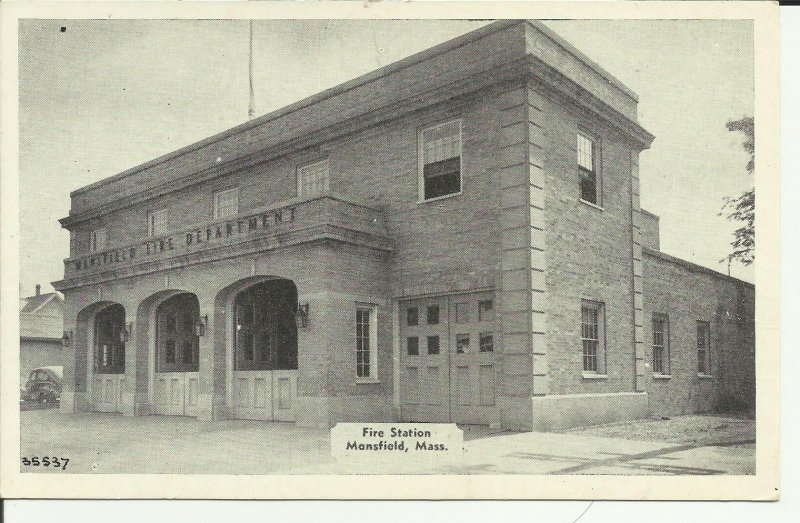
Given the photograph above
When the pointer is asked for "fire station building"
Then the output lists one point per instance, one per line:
(455, 237)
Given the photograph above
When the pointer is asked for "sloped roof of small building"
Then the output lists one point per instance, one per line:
(34, 303)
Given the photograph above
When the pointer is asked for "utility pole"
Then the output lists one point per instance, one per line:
(251, 109)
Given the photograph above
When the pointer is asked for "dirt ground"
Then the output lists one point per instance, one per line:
(691, 429)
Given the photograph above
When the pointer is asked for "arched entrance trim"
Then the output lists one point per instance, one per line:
(260, 341)
(102, 349)
(169, 344)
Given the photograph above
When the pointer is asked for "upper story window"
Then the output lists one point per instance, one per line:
(226, 203)
(587, 168)
(703, 347)
(157, 223)
(440, 161)
(97, 240)
(313, 179)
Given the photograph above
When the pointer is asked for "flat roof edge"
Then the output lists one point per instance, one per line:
(371, 76)
(578, 55)
(692, 266)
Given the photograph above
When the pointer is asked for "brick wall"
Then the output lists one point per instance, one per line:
(686, 294)
(588, 255)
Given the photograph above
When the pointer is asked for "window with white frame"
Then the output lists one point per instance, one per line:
(157, 223)
(592, 336)
(313, 179)
(587, 169)
(703, 347)
(366, 342)
(660, 344)
(97, 240)
(440, 161)
(226, 203)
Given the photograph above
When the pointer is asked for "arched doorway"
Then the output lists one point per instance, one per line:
(107, 358)
(264, 344)
(177, 355)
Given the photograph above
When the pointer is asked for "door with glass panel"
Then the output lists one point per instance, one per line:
(472, 363)
(108, 361)
(265, 352)
(176, 380)
(424, 360)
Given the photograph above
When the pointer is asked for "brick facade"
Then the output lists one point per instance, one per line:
(517, 231)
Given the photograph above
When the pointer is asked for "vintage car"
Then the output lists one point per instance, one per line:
(44, 385)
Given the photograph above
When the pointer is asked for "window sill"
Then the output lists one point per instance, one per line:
(440, 198)
(590, 204)
(705, 376)
(366, 381)
(657, 376)
(594, 376)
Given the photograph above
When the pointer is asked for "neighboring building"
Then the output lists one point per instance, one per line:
(455, 237)
(41, 321)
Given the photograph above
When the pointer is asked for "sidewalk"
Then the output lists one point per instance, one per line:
(110, 443)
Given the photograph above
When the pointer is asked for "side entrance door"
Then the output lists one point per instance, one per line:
(447, 370)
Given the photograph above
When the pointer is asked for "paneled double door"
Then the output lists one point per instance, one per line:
(447, 362)
(268, 395)
(106, 392)
(175, 393)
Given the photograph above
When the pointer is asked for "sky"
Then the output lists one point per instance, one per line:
(102, 96)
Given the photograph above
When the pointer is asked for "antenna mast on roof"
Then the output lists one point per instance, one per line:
(251, 109)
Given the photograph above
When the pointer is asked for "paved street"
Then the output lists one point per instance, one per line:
(111, 443)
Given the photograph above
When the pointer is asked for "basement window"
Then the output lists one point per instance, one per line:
(440, 161)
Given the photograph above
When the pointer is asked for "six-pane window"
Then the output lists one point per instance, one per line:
(591, 324)
(440, 153)
(703, 346)
(157, 223)
(660, 344)
(364, 342)
(313, 179)
(487, 342)
(226, 203)
(587, 168)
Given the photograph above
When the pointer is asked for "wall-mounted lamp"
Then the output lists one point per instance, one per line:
(200, 326)
(66, 339)
(125, 333)
(301, 316)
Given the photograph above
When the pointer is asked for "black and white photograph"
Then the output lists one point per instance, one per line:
(307, 247)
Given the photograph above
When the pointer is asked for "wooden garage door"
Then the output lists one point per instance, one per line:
(447, 369)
